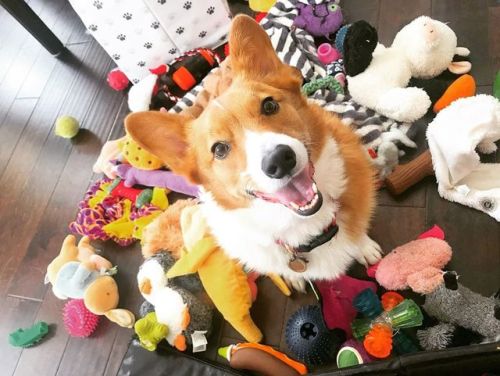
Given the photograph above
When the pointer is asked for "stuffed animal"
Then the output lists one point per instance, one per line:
(223, 279)
(455, 304)
(79, 273)
(321, 19)
(167, 84)
(157, 178)
(418, 265)
(378, 76)
(460, 175)
(184, 315)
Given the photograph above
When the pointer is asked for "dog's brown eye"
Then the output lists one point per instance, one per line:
(220, 150)
(269, 106)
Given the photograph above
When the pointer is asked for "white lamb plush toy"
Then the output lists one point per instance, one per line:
(422, 49)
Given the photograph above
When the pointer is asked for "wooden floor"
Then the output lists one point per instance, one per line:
(42, 178)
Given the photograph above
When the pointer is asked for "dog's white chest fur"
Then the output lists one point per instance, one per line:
(250, 235)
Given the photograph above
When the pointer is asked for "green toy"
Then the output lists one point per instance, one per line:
(496, 86)
(328, 82)
(67, 127)
(150, 331)
(29, 336)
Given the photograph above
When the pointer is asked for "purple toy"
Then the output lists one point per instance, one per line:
(155, 178)
(319, 19)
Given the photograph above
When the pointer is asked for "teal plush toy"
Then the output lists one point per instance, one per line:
(66, 127)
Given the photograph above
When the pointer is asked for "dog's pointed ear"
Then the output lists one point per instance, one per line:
(164, 135)
(250, 48)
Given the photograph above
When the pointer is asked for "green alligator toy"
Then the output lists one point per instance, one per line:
(29, 336)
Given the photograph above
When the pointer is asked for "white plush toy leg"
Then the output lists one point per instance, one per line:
(404, 104)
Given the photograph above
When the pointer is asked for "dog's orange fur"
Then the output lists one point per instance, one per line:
(185, 143)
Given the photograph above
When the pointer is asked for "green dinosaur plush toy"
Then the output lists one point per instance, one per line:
(29, 336)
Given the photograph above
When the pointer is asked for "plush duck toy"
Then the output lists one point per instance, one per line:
(79, 273)
(378, 76)
(176, 308)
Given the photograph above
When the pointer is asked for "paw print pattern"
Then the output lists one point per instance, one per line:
(115, 56)
(187, 5)
(135, 80)
(172, 51)
(148, 45)
(121, 37)
(155, 25)
(127, 16)
(141, 63)
(202, 34)
(93, 27)
(162, 2)
(98, 4)
(210, 10)
(179, 30)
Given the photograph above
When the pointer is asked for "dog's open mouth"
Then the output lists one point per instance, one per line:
(300, 194)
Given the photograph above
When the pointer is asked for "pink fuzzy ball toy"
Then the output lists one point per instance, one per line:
(78, 320)
(117, 80)
(417, 265)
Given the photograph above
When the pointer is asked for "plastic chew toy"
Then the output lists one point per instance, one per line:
(377, 328)
(29, 336)
(407, 175)
(262, 359)
(309, 339)
(78, 320)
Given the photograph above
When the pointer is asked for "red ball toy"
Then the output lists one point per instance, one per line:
(117, 80)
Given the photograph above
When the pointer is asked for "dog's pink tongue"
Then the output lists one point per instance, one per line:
(299, 190)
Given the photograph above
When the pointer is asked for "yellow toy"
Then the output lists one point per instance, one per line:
(137, 156)
(79, 273)
(223, 279)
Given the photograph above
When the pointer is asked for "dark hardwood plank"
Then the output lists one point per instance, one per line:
(355, 10)
(15, 313)
(66, 28)
(16, 231)
(68, 168)
(474, 237)
(494, 34)
(394, 14)
(469, 20)
(44, 358)
(394, 226)
(13, 126)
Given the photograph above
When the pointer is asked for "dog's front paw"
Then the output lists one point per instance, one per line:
(298, 284)
(370, 252)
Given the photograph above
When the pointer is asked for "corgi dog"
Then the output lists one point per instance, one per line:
(285, 187)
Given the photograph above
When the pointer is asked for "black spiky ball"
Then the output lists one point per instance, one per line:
(309, 339)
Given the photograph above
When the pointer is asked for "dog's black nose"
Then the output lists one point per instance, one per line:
(279, 162)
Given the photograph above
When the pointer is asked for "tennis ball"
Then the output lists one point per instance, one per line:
(67, 127)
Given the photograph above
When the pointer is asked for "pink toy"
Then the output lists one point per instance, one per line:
(417, 265)
(327, 53)
(78, 320)
(109, 152)
(122, 191)
(337, 296)
(155, 178)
